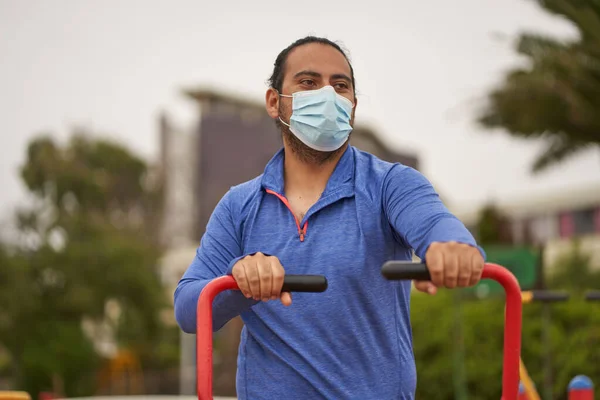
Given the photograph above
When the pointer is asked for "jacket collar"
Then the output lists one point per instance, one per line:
(341, 179)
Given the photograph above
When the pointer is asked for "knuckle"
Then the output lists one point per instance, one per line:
(465, 273)
(435, 267)
(261, 267)
(238, 275)
(436, 277)
(278, 270)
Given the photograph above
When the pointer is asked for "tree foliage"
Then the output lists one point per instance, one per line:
(556, 97)
(88, 241)
(573, 270)
(492, 227)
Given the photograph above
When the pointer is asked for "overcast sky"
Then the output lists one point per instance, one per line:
(422, 69)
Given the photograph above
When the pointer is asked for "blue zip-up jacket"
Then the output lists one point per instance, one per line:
(353, 341)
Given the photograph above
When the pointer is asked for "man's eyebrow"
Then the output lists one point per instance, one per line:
(308, 73)
(318, 75)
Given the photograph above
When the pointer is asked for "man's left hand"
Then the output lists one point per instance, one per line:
(451, 265)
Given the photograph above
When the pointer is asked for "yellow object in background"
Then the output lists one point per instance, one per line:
(14, 396)
(530, 391)
(527, 297)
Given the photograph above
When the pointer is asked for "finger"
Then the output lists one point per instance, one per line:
(450, 270)
(239, 274)
(278, 273)
(435, 265)
(477, 262)
(425, 287)
(465, 269)
(265, 277)
(253, 279)
(286, 299)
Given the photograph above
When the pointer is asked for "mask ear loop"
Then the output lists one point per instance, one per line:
(282, 95)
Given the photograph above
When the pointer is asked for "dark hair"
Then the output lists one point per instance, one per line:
(276, 79)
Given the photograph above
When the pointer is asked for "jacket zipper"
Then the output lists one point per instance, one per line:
(301, 231)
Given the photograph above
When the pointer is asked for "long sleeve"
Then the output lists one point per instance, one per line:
(219, 249)
(417, 214)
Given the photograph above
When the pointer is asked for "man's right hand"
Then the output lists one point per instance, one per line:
(261, 277)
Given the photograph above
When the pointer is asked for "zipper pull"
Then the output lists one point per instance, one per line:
(302, 236)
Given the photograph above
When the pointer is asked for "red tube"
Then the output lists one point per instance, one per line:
(512, 328)
(204, 337)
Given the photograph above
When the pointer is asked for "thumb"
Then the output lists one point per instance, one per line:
(286, 299)
(426, 287)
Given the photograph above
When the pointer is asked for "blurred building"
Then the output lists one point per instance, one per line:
(231, 142)
(552, 221)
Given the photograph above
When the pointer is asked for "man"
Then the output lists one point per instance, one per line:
(324, 207)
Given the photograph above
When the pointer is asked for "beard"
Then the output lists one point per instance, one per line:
(304, 153)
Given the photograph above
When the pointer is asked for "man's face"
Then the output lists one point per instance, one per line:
(310, 67)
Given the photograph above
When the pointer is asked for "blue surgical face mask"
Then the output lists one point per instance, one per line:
(320, 118)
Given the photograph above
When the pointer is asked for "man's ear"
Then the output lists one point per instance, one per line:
(272, 103)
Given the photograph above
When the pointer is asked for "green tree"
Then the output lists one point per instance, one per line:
(90, 240)
(492, 227)
(573, 270)
(556, 97)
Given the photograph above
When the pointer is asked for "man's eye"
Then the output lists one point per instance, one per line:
(308, 82)
(341, 86)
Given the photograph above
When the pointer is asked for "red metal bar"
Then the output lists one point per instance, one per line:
(512, 328)
(512, 331)
(204, 337)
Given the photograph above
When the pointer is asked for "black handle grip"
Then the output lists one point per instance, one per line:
(545, 296)
(405, 270)
(304, 283)
(592, 296)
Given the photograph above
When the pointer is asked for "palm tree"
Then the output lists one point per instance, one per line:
(557, 97)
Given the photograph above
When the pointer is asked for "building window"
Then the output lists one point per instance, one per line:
(583, 221)
(567, 226)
